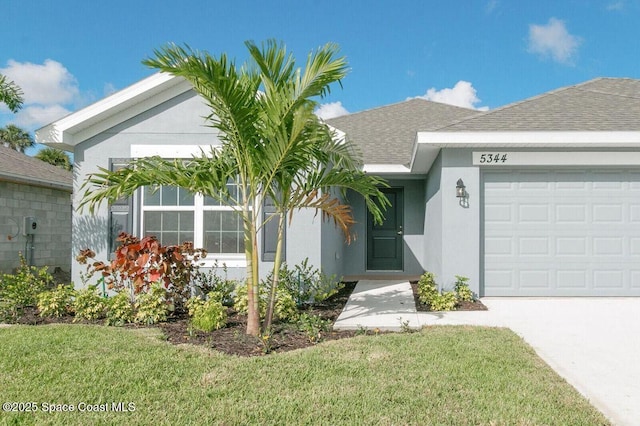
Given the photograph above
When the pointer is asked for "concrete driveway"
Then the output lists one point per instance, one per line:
(594, 343)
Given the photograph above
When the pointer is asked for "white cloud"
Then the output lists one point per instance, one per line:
(616, 5)
(109, 89)
(553, 40)
(463, 94)
(491, 6)
(34, 116)
(331, 110)
(49, 90)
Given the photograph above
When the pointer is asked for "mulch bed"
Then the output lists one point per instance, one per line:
(461, 306)
(232, 339)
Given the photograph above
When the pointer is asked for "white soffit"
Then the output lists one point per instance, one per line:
(385, 169)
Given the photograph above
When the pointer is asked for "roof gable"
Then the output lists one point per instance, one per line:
(386, 135)
(18, 167)
(81, 125)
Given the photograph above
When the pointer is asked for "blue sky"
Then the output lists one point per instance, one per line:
(484, 54)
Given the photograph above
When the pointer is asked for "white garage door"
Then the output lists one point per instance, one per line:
(561, 233)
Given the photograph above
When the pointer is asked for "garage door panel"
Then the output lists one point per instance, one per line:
(571, 213)
(564, 233)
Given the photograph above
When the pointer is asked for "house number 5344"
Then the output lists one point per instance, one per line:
(492, 158)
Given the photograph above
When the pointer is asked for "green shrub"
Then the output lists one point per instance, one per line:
(206, 282)
(307, 284)
(22, 289)
(462, 289)
(286, 308)
(152, 307)
(56, 302)
(89, 305)
(207, 315)
(119, 309)
(313, 326)
(445, 301)
(428, 294)
(427, 288)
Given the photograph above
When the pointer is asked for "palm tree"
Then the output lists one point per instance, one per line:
(55, 157)
(16, 138)
(272, 144)
(10, 94)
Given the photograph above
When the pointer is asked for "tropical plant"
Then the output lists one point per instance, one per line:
(140, 262)
(10, 94)
(55, 157)
(463, 292)
(207, 315)
(89, 305)
(272, 146)
(152, 306)
(119, 309)
(56, 302)
(16, 138)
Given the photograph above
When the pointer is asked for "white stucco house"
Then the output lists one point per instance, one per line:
(537, 198)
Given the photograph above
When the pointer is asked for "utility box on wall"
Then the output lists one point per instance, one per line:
(30, 225)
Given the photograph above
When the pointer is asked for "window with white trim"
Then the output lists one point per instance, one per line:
(175, 216)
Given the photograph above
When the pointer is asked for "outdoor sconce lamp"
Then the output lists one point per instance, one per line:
(461, 189)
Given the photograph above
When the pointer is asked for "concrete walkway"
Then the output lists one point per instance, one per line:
(594, 343)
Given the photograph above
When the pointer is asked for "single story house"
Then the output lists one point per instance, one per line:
(35, 212)
(537, 198)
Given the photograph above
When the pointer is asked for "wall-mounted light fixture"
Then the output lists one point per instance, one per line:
(460, 189)
(462, 194)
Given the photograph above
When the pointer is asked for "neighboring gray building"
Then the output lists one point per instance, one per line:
(550, 203)
(35, 212)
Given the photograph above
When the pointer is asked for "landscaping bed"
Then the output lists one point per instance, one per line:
(232, 339)
(461, 305)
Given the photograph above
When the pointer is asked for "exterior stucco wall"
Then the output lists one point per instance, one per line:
(175, 122)
(52, 210)
(453, 230)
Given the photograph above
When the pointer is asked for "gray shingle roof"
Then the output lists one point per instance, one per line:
(18, 167)
(603, 104)
(386, 135)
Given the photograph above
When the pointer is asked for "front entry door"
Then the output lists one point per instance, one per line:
(385, 241)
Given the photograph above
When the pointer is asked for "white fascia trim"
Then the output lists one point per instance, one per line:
(382, 169)
(530, 139)
(124, 104)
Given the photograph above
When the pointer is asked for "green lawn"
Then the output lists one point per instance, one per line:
(440, 376)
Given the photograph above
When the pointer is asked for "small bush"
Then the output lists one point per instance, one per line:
(207, 315)
(89, 305)
(206, 282)
(445, 301)
(22, 289)
(57, 302)
(313, 326)
(119, 309)
(462, 289)
(152, 307)
(427, 288)
(428, 294)
(286, 308)
(307, 284)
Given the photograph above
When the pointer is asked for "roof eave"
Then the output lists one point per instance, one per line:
(79, 126)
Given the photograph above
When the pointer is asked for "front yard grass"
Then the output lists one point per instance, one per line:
(441, 375)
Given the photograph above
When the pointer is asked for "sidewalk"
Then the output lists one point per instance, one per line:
(388, 305)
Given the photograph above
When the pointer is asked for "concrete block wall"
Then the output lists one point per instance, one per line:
(52, 210)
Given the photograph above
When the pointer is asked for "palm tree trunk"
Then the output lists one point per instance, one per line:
(251, 254)
(276, 273)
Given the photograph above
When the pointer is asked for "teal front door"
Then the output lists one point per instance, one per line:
(385, 241)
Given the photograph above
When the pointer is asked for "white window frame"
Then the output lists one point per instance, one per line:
(231, 260)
